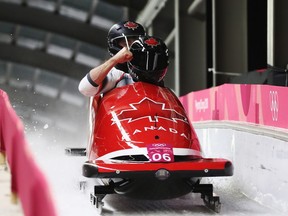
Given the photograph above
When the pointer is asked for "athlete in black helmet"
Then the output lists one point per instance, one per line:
(123, 34)
(118, 32)
(150, 60)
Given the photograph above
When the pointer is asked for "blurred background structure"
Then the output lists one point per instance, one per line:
(46, 46)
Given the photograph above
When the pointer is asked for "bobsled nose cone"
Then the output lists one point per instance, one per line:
(162, 174)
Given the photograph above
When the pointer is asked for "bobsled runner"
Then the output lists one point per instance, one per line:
(142, 145)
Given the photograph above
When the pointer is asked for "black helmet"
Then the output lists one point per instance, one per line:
(121, 30)
(150, 59)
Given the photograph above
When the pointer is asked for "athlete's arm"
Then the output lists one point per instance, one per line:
(99, 73)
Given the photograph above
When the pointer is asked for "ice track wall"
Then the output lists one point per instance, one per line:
(248, 125)
(260, 159)
(258, 104)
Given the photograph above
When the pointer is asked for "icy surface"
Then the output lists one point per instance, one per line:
(64, 174)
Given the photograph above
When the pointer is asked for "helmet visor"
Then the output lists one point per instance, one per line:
(149, 61)
(151, 76)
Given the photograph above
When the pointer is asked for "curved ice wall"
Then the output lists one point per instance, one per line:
(248, 125)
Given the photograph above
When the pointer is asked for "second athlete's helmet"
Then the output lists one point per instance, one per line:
(150, 60)
(121, 30)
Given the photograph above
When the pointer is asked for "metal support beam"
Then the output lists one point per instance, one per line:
(177, 48)
(150, 11)
(193, 7)
(170, 37)
(270, 32)
(75, 50)
(46, 42)
(91, 11)
(15, 35)
(57, 8)
(213, 69)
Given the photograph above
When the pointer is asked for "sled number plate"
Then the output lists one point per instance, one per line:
(160, 152)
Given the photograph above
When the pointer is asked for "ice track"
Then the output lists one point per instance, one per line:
(64, 174)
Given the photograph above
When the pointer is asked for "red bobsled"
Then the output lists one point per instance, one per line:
(144, 145)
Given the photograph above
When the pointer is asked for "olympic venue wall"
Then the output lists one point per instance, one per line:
(247, 124)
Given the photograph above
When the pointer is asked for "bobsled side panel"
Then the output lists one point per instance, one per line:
(144, 114)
